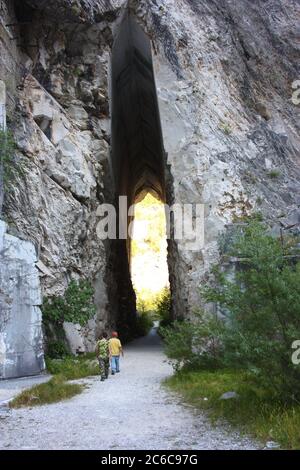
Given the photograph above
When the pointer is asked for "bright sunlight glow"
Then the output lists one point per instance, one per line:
(149, 269)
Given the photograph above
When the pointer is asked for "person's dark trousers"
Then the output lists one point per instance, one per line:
(106, 367)
(102, 366)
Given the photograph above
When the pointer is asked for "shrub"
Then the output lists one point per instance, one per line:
(10, 167)
(57, 349)
(262, 309)
(194, 343)
(144, 324)
(261, 316)
(7, 152)
(163, 308)
(225, 127)
(75, 306)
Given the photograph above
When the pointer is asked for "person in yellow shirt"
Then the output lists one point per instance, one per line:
(115, 350)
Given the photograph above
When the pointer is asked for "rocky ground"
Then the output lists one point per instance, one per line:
(129, 411)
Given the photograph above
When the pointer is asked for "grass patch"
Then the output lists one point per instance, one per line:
(254, 412)
(55, 390)
(73, 368)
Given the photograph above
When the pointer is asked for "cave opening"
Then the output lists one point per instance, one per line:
(137, 157)
(148, 253)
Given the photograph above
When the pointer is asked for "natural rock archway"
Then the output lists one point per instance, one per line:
(227, 123)
(138, 157)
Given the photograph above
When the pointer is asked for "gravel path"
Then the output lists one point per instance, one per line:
(128, 411)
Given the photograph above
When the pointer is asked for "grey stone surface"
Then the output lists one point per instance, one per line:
(74, 337)
(21, 338)
(229, 396)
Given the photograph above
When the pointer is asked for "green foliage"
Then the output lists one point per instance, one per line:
(194, 343)
(225, 127)
(260, 306)
(144, 323)
(7, 161)
(146, 300)
(73, 367)
(257, 411)
(274, 174)
(50, 392)
(163, 307)
(57, 349)
(10, 166)
(75, 306)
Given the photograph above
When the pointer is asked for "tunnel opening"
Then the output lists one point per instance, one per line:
(138, 156)
(148, 254)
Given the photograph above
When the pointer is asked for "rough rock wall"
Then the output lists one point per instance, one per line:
(224, 70)
(224, 73)
(61, 128)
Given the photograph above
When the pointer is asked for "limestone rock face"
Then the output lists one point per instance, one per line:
(21, 339)
(224, 74)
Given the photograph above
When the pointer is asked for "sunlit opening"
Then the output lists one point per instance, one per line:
(149, 268)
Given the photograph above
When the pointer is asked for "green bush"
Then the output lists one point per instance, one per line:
(8, 165)
(57, 349)
(144, 324)
(194, 344)
(75, 306)
(261, 316)
(262, 309)
(163, 308)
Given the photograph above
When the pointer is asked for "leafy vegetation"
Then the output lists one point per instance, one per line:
(225, 127)
(274, 174)
(73, 367)
(259, 315)
(55, 390)
(246, 345)
(144, 324)
(76, 306)
(57, 348)
(163, 307)
(194, 344)
(262, 310)
(7, 152)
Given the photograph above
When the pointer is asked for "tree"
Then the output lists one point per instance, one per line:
(262, 309)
